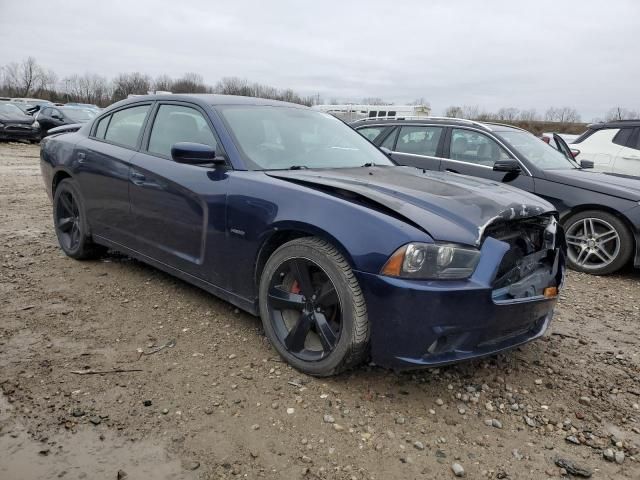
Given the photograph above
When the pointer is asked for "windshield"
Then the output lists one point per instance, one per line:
(9, 109)
(536, 151)
(79, 115)
(284, 137)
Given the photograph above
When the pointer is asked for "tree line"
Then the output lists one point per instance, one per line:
(30, 79)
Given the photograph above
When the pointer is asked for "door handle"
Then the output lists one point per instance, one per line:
(81, 157)
(451, 170)
(632, 158)
(137, 178)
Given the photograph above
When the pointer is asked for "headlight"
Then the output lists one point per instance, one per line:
(432, 261)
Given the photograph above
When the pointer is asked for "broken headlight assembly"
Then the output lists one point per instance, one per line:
(430, 261)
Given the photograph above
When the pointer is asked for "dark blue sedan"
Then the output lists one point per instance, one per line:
(289, 214)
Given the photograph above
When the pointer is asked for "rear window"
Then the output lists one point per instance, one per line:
(126, 125)
(622, 137)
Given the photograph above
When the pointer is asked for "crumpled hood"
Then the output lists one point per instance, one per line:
(16, 118)
(622, 186)
(449, 207)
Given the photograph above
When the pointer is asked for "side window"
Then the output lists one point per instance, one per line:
(474, 147)
(55, 113)
(370, 132)
(634, 140)
(419, 140)
(125, 126)
(102, 127)
(46, 112)
(622, 137)
(390, 141)
(176, 123)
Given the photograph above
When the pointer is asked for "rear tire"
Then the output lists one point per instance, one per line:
(598, 242)
(70, 222)
(317, 321)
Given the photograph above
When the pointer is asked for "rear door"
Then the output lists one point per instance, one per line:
(627, 160)
(103, 161)
(470, 152)
(416, 145)
(601, 148)
(178, 210)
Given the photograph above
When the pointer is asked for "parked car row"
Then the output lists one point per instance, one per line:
(599, 211)
(32, 119)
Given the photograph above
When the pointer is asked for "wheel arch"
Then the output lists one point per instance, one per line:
(282, 234)
(57, 178)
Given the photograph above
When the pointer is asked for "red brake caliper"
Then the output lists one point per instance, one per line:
(295, 288)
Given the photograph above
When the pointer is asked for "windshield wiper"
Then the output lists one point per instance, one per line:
(369, 164)
(298, 167)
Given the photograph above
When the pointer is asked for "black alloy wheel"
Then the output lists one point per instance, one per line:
(71, 223)
(312, 308)
(305, 309)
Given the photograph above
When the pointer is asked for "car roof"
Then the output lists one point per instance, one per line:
(614, 124)
(212, 99)
(444, 121)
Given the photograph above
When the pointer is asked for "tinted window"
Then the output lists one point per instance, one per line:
(390, 141)
(622, 137)
(176, 123)
(46, 112)
(474, 147)
(55, 113)
(371, 132)
(634, 139)
(419, 140)
(102, 127)
(125, 125)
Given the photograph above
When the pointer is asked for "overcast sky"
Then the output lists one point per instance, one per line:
(524, 54)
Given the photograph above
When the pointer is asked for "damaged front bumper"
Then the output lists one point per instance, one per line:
(430, 323)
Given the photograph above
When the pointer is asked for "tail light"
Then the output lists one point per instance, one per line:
(545, 139)
(575, 152)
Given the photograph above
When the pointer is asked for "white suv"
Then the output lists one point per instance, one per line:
(611, 146)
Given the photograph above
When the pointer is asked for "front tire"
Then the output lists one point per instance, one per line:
(312, 308)
(70, 221)
(598, 242)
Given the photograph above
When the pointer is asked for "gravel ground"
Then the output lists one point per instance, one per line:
(218, 402)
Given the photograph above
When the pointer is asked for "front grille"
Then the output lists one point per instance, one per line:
(532, 243)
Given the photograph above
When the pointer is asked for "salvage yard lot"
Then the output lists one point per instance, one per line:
(221, 404)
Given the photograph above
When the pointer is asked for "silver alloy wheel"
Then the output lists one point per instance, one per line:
(593, 243)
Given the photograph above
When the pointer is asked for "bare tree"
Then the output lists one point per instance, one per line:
(621, 113)
(23, 79)
(190, 83)
(528, 115)
(507, 114)
(454, 112)
(163, 83)
(87, 88)
(562, 115)
(127, 84)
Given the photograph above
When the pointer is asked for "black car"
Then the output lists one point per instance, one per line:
(600, 211)
(17, 125)
(51, 117)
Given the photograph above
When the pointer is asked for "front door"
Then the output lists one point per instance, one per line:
(469, 152)
(178, 210)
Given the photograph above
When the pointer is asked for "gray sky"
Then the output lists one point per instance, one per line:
(523, 54)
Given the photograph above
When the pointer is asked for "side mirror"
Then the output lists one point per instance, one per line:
(386, 151)
(194, 153)
(509, 166)
(586, 164)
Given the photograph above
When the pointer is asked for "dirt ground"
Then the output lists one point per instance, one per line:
(219, 403)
